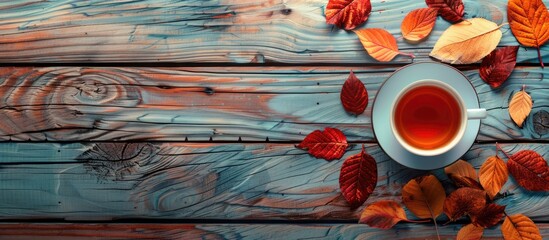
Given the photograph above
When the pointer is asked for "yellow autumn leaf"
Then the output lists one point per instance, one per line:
(467, 42)
(520, 107)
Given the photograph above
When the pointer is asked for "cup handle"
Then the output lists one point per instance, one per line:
(476, 113)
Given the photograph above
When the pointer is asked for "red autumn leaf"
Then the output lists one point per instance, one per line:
(530, 170)
(489, 216)
(464, 201)
(498, 65)
(418, 24)
(383, 214)
(354, 96)
(329, 144)
(347, 14)
(358, 178)
(451, 10)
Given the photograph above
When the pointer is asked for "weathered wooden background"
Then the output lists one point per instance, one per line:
(178, 119)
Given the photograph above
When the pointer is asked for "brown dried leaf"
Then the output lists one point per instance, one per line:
(461, 169)
(464, 201)
(424, 196)
(520, 227)
(489, 216)
(520, 107)
(493, 174)
(383, 214)
(465, 182)
(470, 232)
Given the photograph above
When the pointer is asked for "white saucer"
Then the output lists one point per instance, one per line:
(386, 96)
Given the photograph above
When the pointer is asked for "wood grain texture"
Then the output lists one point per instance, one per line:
(230, 103)
(229, 31)
(62, 231)
(105, 181)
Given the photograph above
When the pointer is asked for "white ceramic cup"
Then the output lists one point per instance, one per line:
(466, 114)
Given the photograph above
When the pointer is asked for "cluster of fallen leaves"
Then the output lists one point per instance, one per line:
(475, 196)
(466, 41)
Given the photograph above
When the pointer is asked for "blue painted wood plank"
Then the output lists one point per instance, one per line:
(224, 104)
(105, 181)
(229, 31)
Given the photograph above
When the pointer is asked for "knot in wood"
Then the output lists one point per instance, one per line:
(117, 161)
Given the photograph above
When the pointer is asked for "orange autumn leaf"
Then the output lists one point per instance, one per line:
(379, 44)
(493, 174)
(418, 24)
(519, 226)
(520, 107)
(347, 14)
(383, 214)
(424, 196)
(529, 21)
(470, 232)
(462, 169)
(464, 201)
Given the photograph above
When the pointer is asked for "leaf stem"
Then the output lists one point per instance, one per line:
(539, 57)
(433, 217)
(417, 221)
(436, 228)
(407, 54)
(498, 147)
(502, 196)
